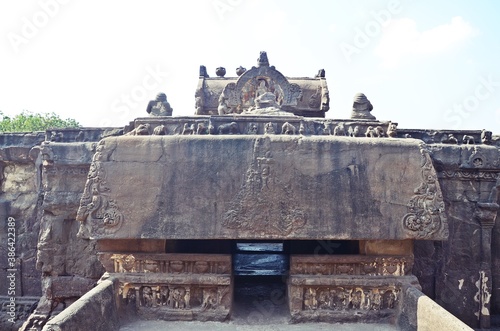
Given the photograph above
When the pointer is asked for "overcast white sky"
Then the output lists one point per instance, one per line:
(422, 64)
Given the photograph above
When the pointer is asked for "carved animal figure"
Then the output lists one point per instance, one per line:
(376, 132)
(468, 140)
(201, 129)
(339, 130)
(160, 130)
(141, 130)
(288, 128)
(228, 128)
(188, 129)
(81, 136)
(327, 129)
(486, 137)
(353, 132)
(450, 139)
(56, 136)
(209, 299)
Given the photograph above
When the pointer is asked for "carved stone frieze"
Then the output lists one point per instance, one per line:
(345, 298)
(351, 265)
(173, 297)
(97, 210)
(469, 175)
(167, 263)
(426, 214)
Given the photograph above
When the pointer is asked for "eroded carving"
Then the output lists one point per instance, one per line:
(288, 128)
(392, 130)
(228, 128)
(140, 130)
(450, 139)
(349, 298)
(339, 130)
(160, 130)
(97, 210)
(353, 131)
(376, 132)
(160, 106)
(468, 140)
(361, 107)
(365, 266)
(269, 128)
(426, 208)
(250, 210)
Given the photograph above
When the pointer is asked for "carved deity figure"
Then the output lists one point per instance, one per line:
(159, 106)
(147, 296)
(361, 108)
(177, 298)
(269, 128)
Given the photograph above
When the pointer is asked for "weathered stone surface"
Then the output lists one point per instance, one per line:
(346, 298)
(96, 310)
(263, 187)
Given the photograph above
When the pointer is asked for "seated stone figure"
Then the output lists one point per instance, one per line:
(361, 108)
(160, 106)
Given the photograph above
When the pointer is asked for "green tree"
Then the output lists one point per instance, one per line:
(29, 122)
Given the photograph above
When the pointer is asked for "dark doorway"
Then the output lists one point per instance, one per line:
(260, 272)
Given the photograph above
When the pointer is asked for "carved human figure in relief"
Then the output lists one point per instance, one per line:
(361, 108)
(159, 106)
(147, 296)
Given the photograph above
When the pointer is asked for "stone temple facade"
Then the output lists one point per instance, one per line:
(143, 220)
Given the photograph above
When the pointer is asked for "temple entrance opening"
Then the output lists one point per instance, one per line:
(261, 272)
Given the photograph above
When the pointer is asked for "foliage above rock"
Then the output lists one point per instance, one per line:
(28, 122)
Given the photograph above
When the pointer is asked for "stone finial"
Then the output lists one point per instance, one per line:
(361, 107)
(262, 60)
(321, 73)
(240, 70)
(220, 71)
(203, 71)
(159, 106)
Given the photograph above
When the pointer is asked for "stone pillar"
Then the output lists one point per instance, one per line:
(486, 214)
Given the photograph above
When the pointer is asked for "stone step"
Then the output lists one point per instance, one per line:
(141, 325)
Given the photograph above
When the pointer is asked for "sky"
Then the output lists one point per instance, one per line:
(423, 64)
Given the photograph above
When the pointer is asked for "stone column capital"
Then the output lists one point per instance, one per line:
(486, 213)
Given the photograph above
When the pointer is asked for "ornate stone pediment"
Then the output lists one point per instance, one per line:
(262, 87)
